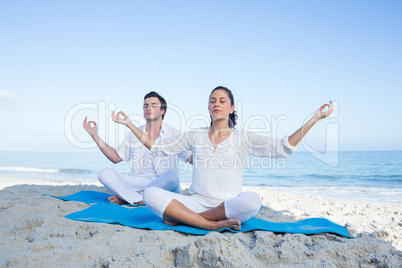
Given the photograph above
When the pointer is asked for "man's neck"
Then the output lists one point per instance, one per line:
(153, 128)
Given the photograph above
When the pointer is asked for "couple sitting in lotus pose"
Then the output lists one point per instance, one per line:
(216, 198)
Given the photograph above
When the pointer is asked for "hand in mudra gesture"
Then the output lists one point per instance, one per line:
(90, 127)
(120, 118)
(320, 114)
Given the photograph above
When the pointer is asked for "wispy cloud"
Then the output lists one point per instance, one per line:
(9, 100)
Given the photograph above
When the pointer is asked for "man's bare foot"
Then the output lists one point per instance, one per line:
(233, 224)
(172, 223)
(116, 200)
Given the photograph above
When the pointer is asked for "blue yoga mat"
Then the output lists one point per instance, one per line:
(88, 197)
(143, 218)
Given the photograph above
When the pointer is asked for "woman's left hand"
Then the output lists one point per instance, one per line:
(320, 114)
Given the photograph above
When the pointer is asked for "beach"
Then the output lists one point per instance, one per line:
(35, 233)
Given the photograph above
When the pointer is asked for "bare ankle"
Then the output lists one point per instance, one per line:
(233, 224)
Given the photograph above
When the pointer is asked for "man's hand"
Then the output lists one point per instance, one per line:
(120, 118)
(92, 130)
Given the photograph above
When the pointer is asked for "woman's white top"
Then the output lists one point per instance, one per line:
(218, 173)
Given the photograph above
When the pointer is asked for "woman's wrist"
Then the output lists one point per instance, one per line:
(313, 120)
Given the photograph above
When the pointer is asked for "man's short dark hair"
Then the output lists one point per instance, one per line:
(161, 99)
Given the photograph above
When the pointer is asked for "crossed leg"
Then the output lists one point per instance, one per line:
(128, 189)
(176, 209)
(213, 219)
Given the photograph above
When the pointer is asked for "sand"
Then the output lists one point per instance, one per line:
(34, 233)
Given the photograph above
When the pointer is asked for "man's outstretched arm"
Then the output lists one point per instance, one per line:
(141, 136)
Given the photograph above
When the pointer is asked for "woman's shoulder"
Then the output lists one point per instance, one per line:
(241, 132)
(244, 134)
(197, 134)
(197, 131)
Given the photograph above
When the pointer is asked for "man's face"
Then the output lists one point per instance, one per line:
(152, 109)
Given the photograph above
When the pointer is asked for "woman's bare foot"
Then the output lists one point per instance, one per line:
(139, 203)
(233, 224)
(214, 220)
(116, 200)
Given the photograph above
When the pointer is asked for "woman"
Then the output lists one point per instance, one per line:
(216, 200)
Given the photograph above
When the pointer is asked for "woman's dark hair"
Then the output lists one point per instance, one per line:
(232, 116)
(161, 99)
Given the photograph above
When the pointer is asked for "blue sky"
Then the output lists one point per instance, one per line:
(63, 60)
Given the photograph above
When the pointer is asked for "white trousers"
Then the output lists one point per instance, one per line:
(130, 188)
(242, 207)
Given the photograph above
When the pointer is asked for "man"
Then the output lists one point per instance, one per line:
(146, 170)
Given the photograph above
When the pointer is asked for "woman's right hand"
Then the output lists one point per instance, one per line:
(118, 119)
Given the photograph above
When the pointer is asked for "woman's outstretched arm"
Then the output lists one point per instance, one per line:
(141, 136)
(296, 137)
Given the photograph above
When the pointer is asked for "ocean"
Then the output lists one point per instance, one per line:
(366, 176)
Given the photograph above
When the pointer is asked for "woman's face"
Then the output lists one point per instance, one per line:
(219, 105)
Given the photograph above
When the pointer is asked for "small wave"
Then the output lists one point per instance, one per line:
(370, 177)
(377, 194)
(29, 169)
(74, 170)
(45, 170)
(377, 176)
